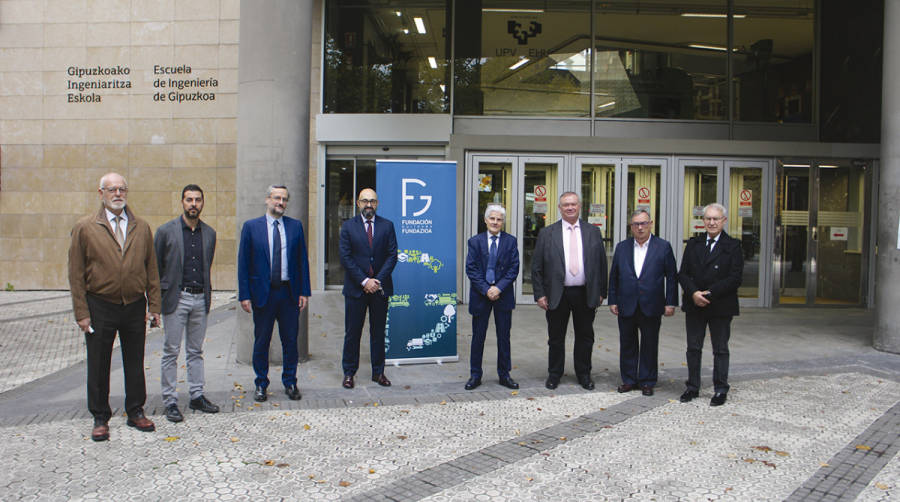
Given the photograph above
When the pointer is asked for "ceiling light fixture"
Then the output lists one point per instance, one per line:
(420, 25)
(710, 15)
(707, 47)
(398, 13)
(606, 105)
(432, 62)
(519, 63)
(527, 11)
(795, 165)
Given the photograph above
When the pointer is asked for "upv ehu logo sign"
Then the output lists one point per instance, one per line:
(521, 35)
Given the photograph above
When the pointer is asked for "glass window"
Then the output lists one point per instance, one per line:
(773, 60)
(523, 58)
(344, 178)
(385, 57)
(661, 60)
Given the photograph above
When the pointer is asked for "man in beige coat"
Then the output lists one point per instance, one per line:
(115, 289)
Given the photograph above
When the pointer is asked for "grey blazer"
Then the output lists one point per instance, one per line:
(548, 264)
(169, 244)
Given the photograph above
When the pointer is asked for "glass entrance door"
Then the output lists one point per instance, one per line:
(746, 198)
(821, 233)
(528, 187)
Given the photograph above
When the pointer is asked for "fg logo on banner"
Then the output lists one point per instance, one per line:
(426, 198)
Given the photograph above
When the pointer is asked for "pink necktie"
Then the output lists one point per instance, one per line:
(573, 252)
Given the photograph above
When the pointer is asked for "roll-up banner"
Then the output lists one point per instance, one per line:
(420, 198)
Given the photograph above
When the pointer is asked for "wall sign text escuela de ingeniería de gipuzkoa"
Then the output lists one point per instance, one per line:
(85, 81)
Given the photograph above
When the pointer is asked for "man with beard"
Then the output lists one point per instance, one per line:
(273, 284)
(185, 248)
(115, 289)
(368, 248)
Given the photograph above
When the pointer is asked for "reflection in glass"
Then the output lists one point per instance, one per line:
(537, 213)
(745, 223)
(644, 192)
(700, 183)
(773, 60)
(339, 206)
(598, 196)
(385, 57)
(792, 221)
(493, 188)
(530, 61)
(652, 61)
(841, 216)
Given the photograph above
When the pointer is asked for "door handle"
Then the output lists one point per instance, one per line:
(815, 234)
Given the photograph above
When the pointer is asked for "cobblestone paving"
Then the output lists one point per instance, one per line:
(886, 485)
(38, 335)
(769, 438)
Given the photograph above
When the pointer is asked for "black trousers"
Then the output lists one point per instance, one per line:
(574, 302)
(128, 321)
(354, 318)
(719, 333)
(638, 355)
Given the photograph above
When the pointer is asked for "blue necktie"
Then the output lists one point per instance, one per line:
(276, 256)
(490, 275)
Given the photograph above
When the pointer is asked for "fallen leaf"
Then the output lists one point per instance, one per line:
(401, 437)
(881, 486)
(782, 453)
(269, 462)
(863, 447)
(374, 404)
(282, 465)
(762, 448)
(749, 460)
(404, 411)
(514, 393)
(234, 440)
(529, 399)
(443, 402)
(562, 438)
(406, 387)
(344, 483)
(522, 443)
(824, 464)
(306, 427)
(171, 439)
(529, 479)
(371, 471)
(770, 464)
(540, 409)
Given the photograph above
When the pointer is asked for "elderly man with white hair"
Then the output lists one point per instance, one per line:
(492, 265)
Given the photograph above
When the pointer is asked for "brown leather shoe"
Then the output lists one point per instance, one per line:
(348, 382)
(140, 422)
(646, 390)
(627, 387)
(381, 380)
(100, 432)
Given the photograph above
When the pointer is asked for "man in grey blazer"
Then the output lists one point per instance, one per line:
(568, 272)
(185, 248)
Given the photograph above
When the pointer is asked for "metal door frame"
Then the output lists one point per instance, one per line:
(767, 226)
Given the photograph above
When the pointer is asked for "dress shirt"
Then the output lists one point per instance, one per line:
(124, 223)
(578, 279)
(284, 262)
(714, 241)
(364, 220)
(489, 235)
(192, 270)
(640, 254)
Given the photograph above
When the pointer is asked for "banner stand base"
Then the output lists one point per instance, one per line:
(422, 360)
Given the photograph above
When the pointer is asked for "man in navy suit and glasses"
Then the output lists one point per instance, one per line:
(492, 264)
(273, 284)
(642, 288)
(368, 249)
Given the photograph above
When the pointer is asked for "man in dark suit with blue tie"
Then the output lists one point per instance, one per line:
(273, 284)
(642, 288)
(492, 264)
(368, 247)
(710, 275)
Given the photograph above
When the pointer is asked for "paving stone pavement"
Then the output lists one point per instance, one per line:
(814, 414)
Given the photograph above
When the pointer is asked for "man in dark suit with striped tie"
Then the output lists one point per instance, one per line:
(492, 265)
(642, 288)
(368, 247)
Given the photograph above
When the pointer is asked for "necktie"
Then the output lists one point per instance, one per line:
(371, 271)
(490, 275)
(709, 243)
(573, 252)
(120, 237)
(276, 255)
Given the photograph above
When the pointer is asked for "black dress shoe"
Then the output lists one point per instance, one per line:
(381, 380)
(293, 393)
(718, 399)
(473, 383)
(646, 390)
(509, 383)
(626, 387)
(551, 383)
(203, 404)
(688, 396)
(173, 414)
(260, 394)
(100, 432)
(586, 383)
(348, 382)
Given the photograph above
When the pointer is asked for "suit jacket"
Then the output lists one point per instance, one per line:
(254, 261)
(505, 272)
(654, 289)
(357, 256)
(720, 273)
(169, 245)
(548, 265)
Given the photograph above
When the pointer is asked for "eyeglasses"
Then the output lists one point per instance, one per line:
(713, 219)
(368, 201)
(640, 223)
(278, 198)
(115, 189)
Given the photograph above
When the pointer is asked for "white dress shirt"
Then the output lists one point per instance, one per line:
(111, 216)
(640, 254)
(284, 262)
(714, 241)
(577, 279)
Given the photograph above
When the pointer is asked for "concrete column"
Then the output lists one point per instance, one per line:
(887, 282)
(273, 128)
